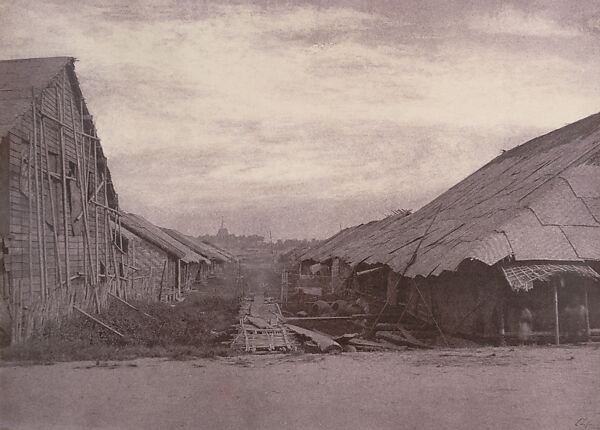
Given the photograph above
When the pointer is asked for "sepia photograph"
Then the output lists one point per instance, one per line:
(299, 214)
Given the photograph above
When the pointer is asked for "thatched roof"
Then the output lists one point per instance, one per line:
(537, 201)
(22, 79)
(327, 249)
(205, 249)
(153, 234)
(17, 80)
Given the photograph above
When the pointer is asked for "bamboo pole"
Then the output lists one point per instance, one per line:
(68, 128)
(129, 305)
(61, 140)
(122, 258)
(106, 221)
(13, 311)
(114, 260)
(81, 175)
(97, 321)
(95, 195)
(37, 216)
(52, 204)
(132, 263)
(42, 215)
(30, 225)
(556, 323)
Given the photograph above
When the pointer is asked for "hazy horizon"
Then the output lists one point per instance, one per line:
(304, 117)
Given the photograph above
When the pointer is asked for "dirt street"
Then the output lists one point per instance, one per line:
(487, 388)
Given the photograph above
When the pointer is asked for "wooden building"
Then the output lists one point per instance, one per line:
(56, 198)
(224, 271)
(158, 266)
(522, 231)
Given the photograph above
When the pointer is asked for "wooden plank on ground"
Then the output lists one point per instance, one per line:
(324, 342)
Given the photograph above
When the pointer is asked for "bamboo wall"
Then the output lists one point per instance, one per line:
(60, 246)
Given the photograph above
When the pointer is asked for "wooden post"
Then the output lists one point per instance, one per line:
(179, 277)
(502, 324)
(20, 319)
(162, 278)
(556, 323)
(63, 160)
(587, 311)
(114, 260)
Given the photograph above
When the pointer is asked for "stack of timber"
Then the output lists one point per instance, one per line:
(263, 329)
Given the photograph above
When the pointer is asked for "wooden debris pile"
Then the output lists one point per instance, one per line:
(331, 329)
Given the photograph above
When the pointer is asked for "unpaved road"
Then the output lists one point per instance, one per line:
(487, 388)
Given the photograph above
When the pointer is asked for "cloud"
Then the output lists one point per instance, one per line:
(304, 116)
(512, 21)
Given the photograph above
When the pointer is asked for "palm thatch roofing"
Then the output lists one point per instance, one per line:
(205, 249)
(537, 201)
(21, 80)
(153, 234)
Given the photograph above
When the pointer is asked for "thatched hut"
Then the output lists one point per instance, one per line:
(165, 267)
(524, 230)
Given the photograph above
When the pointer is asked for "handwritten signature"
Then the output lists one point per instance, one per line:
(584, 423)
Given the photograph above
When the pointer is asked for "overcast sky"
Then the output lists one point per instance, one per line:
(306, 116)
